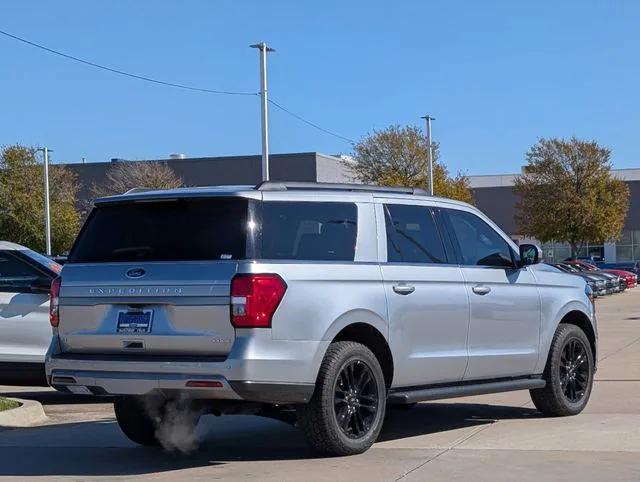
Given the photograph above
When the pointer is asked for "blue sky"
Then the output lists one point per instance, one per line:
(496, 75)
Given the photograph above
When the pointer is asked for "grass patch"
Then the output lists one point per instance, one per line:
(7, 404)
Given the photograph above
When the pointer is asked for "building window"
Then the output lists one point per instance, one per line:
(593, 251)
(555, 252)
(628, 247)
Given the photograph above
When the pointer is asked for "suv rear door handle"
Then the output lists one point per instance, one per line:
(404, 289)
(481, 289)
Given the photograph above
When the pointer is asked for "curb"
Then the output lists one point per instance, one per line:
(28, 414)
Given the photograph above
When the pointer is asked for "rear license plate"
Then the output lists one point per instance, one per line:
(135, 321)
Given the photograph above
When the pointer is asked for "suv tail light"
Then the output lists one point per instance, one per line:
(54, 302)
(255, 298)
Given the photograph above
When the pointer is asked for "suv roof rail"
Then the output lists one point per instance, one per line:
(333, 186)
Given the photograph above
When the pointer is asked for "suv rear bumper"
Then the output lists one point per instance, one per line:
(119, 383)
(257, 369)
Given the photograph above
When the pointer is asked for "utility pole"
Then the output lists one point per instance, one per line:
(264, 49)
(428, 119)
(47, 213)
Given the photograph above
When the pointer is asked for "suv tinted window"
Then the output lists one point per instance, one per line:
(314, 231)
(15, 274)
(479, 243)
(412, 236)
(174, 230)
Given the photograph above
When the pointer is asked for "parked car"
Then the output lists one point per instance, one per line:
(585, 262)
(312, 301)
(630, 280)
(614, 285)
(631, 266)
(597, 283)
(25, 332)
(590, 259)
(608, 280)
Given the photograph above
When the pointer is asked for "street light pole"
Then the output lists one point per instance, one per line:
(428, 118)
(264, 49)
(47, 213)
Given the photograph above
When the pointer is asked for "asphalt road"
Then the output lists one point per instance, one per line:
(493, 437)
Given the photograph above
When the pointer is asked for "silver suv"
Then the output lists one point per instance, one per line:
(317, 303)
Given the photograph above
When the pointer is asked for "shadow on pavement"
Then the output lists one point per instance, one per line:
(429, 418)
(82, 462)
(51, 397)
(99, 448)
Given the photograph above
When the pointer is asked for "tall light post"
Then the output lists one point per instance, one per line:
(47, 212)
(428, 119)
(264, 49)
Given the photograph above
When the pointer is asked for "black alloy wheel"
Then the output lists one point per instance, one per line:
(355, 399)
(574, 370)
(568, 374)
(347, 409)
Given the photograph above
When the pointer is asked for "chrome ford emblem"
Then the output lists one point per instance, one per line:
(135, 273)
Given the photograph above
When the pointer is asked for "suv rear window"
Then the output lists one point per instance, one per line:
(313, 231)
(172, 230)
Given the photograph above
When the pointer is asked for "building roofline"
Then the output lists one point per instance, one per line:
(201, 158)
(504, 180)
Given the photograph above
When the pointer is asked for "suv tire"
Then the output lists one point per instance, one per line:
(346, 412)
(142, 420)
(569, 374)
(135, 421)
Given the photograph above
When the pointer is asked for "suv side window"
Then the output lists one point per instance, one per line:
(412, 235)
(479, 243)
(16, 275)
(310, 231)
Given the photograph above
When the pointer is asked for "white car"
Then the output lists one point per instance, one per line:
(25, 331)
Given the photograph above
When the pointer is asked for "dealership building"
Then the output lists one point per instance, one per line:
(227, 170)
(494, 195)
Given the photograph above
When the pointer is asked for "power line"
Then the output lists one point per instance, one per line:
(300, 118)
(122, 72)
(171, 84)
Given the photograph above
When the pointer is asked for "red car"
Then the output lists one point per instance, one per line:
(629, 278)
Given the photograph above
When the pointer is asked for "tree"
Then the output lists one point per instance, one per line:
(125, 175)
(567, 194)
(397, 156)
(22, 201)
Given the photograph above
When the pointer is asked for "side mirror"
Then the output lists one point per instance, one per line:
(530, 254)
(41, 285)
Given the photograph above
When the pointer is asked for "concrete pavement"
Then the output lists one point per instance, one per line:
(492, 437)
